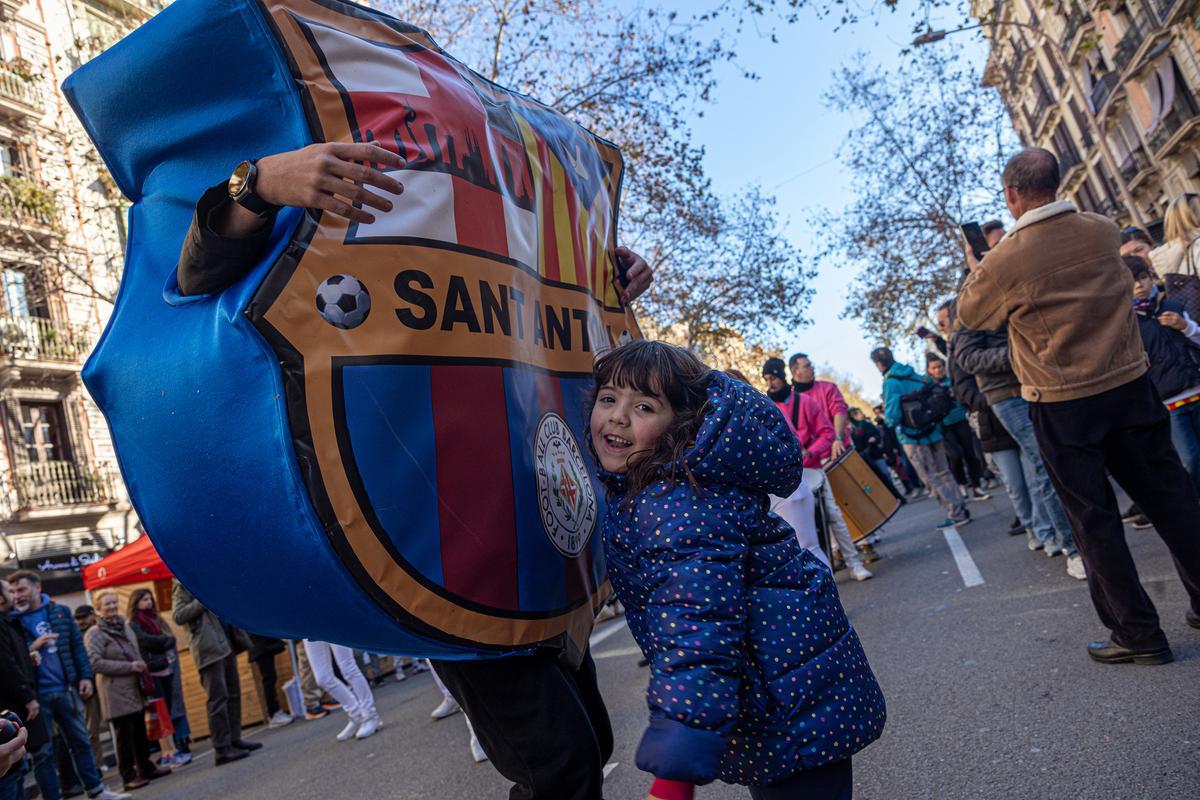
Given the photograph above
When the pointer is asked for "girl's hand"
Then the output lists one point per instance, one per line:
(1172, 320)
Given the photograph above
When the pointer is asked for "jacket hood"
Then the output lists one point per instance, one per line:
(743, 441)
(899, 370)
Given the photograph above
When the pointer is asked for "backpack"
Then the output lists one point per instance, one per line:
(921, 410)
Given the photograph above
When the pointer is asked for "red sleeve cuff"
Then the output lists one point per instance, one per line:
(664, 789)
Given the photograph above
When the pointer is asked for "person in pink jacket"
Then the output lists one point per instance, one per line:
(814, 430)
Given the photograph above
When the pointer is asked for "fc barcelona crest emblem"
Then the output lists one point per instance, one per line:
(565, 494)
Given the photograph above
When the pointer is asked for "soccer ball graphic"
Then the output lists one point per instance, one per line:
(343, 301)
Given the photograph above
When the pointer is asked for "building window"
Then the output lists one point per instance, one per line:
(1085, 198)
(12, 160)
(44, 431)
(24, 295)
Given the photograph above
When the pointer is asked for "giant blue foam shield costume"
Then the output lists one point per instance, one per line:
(375, 437)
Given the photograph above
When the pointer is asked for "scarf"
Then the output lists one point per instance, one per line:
(114, 627)
(147, 621)
(803, 387)
(782, 395)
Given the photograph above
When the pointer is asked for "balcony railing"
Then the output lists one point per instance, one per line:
(18, 88)
(25, 202)
(48, 484)
(41, 339)
(1076, 19)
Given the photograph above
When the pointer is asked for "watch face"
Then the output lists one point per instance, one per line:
(237, 181)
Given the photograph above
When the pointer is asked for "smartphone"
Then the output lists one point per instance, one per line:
(924, 332)
(975, 238)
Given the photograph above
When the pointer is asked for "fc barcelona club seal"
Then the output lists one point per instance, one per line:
(566, 498)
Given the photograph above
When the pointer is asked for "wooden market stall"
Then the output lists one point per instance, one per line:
(138, 565)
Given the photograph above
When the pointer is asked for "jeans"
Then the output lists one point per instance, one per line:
(355, 694)
(1185, 435)
(12, 785)
(1124, 430)
(543, 725)
(1050, 524)
(934, 468)
(962, 449)
(65, 710)
(1009, 464)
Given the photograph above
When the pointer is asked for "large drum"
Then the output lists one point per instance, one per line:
(866, 503)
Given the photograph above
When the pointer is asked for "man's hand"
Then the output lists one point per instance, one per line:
(36, 657)
(31, 710)
(86, 689)
(1172, 320)
(836, 450)
(12, 751)
(325, 176)
(637, 273)
(43, 640)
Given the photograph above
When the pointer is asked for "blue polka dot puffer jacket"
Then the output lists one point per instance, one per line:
(756, 673)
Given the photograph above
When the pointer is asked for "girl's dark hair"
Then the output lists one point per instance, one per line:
(136, 598)
(658, 368)
(1137, 266)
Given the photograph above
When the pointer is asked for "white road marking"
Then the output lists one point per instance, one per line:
(620, 652)
(609, 767)
(962, 557)
(607, 631)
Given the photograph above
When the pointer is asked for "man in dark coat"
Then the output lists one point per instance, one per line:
(18, 688)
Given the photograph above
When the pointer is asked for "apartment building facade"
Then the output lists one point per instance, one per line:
(62, 240)
(1111, 88)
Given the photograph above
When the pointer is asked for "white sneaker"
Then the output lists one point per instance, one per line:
(369, 728)
(109, 794)
(477, 750)
(280, 719)
(1075, 568)
(348, 732)
(400, 673)
(448, 708)
(861, 573)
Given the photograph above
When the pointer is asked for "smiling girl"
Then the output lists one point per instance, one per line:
(757, 677)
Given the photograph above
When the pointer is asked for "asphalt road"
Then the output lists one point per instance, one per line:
(990, 695)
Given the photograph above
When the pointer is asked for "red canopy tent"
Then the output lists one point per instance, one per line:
(134, 563)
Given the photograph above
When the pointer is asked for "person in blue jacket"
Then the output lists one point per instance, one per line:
(757, 677)
(926, 449)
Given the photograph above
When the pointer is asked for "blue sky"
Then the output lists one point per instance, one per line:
(783, 112)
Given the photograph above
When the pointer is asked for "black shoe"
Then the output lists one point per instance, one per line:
(1192, 618)
(156, 773)
(1016, 528)
(1141, 522)
(1109, 653)
(73, 791)
(249, 747)
(1131, 513)
(224, 756)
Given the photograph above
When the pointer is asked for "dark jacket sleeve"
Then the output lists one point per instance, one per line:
(965, 387)
(79, 653)
(16, 684)
(152, 642)
(976, 356)
(210, 262)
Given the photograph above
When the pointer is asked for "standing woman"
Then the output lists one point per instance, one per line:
(156, 642)
(1177, 262)
(122, 683)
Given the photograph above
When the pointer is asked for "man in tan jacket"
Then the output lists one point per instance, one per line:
(1058, 282)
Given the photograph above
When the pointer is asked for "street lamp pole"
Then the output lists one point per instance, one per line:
(931, 36)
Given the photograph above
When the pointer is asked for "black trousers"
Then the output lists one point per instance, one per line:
(270, 683)
(1126, 430)
(831, 782)
(965, 453)
(133, 748)
(543, 725)
(223, 691)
